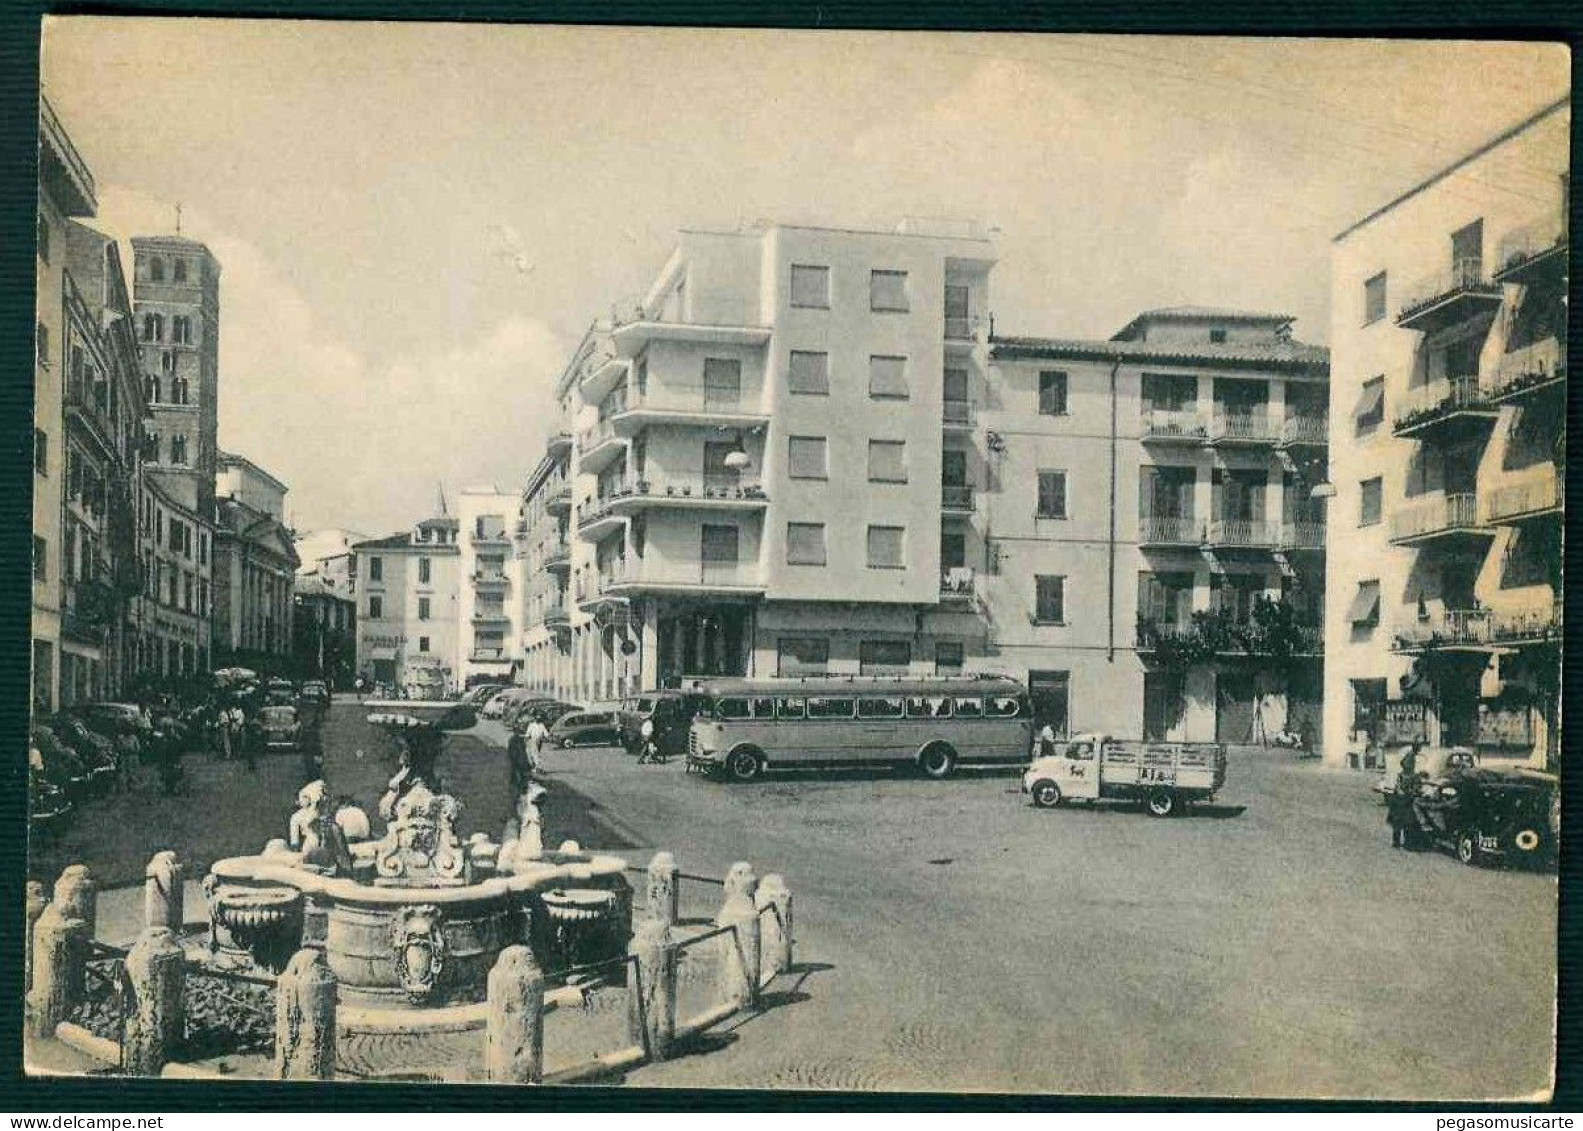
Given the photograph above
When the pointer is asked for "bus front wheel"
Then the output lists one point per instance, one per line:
(744, 765)
(937, 761)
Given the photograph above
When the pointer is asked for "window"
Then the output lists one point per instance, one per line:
(40, 558)
(1368, 703)
(1169, 392)
(150, 388)
(887, 461)
(167, 361)
(823, 707)
(1365, 607)
(805, 543)
(810, 286)
(1370, 501)
(178, 390)
(808, 372)
(722, 382)
(1052, 494)
(40, 451)
(887, 291)
(881, 707)
(43, 238)
(423, 571)
(953, 467)
(955, 386)
(805, 457)
(884, 657)
(181, 329)
(41, 345)
(156, 269)
(887, 547)
(948, 657)
(376, 607)
(958, 304)
(1049, 599)
(718, 543)
(887, 376)
(1049, 695)
(179, 270)
(1374, 299)
(178, 450)
(376, 569)
(1217, 336)
(1052, 392)
(799, 656)
(423, 608)
(423, 643)
(203, 548)
(1369, 412)
(153, 327)
(203, 598)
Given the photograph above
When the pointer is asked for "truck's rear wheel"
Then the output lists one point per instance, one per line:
(744, 764)
(1046, 794)
(1161, 803)
(937, 761)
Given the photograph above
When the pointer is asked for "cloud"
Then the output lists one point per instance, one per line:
(360, 446)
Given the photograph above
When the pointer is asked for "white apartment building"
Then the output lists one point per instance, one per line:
(408, 587)
(1449, 354)
(490, 612)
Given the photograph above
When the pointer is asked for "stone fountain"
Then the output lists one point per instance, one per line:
(415, 917)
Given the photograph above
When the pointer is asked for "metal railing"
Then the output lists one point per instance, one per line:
(1304, 428)
(490, 616)
(1174, 424)
(956, 496)
(1530, 365)
(554, 612)
(491, 577)
(1537, 621)
(1303, 535)
(957, 412)
(1246, 425)
(1529, 241)
(713, 485)
(1465, 274)
(1170, 529)
(1450, 626)
(1539, 493)
(1245, 532)
(490, 537)
(957, 584)
(1447, 512)
(1440, 398)
(487, 654)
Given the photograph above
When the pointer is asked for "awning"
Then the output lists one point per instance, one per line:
(1371, 401)
(1365, 603)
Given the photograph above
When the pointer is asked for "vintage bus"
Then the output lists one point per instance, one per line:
(933, 724)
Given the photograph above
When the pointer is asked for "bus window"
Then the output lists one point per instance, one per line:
(820, 707)
(732, 708)
(1003, 707)
(887, 708)
(969, 707)
(788, 708)
(928, 707)
(763, 708)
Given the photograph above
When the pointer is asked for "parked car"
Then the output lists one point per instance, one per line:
(117, 718)
(1434, 762)
(482, 693)
(316, 691)
(547, 709)
(97, 753)
(279, 692)
(59, 764)
(279, 726)
(1488, 816)
(47, 803)
(495, 705)
(586, 728)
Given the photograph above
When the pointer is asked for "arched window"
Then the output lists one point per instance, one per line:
(178, 450)
(150, 388)
(156, 269)
(153, 328)
(178, 270)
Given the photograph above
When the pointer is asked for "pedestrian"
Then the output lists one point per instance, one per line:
(647, 751)
(520, 760)
(1044, 743)
(538, 734)
(1399, 811)
(359, 687)
(247, 740)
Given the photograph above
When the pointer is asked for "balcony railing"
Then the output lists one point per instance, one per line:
(1540, 495)
(1243, 426)
(1450, 627)
(1522, 249)
(1536, 623)
(555, 614)
(493, 536)
(964, 327)
(1528, 369)
(1242, 533)
(1448, 296)
(956, 497)
(557, 495)
(1302, 536)
(1304, 428)
(957, 414)
(713, 487)
(1174, 425)
(490, 616)
(594, 435)
(957, 584)
(1441, 400)
(490, 579)
(1169, 530)
(488, 655)
(555, 554)
(1447, 514)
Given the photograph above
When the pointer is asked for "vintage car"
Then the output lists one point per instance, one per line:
(316, 691)
(1488, 816)
(97, 753)
(586, 728)
(280, 692)
(278, 726)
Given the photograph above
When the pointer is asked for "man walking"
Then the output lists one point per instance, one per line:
(521, 761)
(538, 735)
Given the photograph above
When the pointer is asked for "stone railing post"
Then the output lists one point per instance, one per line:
(514, 1038)
(776, 925)
(36, 902)
(305, 1018)
(60, 954)
(163, 892)
(739, 949)
(78, 897)
(664, 896)
(155, 970)
(651, 989)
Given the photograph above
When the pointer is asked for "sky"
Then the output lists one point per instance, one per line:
(417, 222)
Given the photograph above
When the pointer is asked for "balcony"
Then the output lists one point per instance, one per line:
(599, 445)
(634, 576)
(491, 616)
(956, 498)
(963, 331)
(1173, 426)
(1302, 536)
(1247, 427)
(957, 416)
(1443, 520)
(559, 443)
(1527, 371)
(1448, 297)
(599, 372)
(1272, 627)
(556, 615)
(495, 537)
(1302, 430)
(958, 588)
(1451, 406)
(491, 580)
(1242, 534)
(1527, 625)
(634, 327)
(1532, 251)
(707, 492)
(557, 556)
(1540, 496)
(1170, 531)
(596, 521)
(1456, 630)
(489, 656)
(703, 408)
(558, 497)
